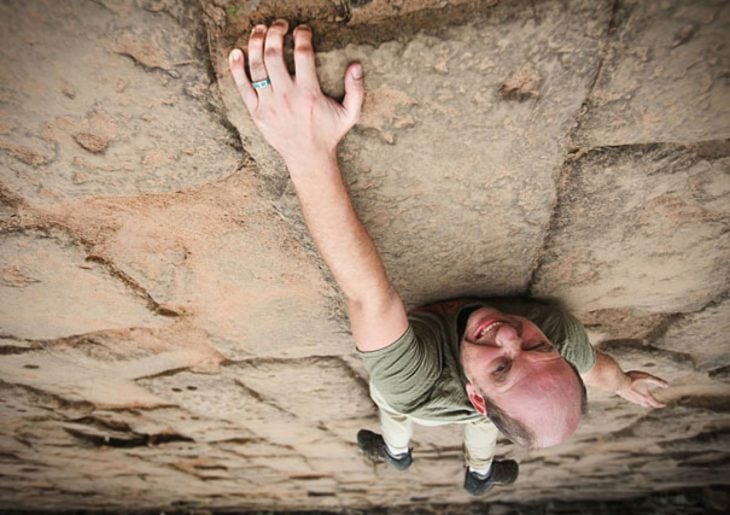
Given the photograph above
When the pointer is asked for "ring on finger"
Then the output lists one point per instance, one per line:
(261, 84)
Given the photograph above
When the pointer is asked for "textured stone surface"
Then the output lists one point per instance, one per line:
(373, 11)
(99, 368)
(169, 340)
(664, 76)
(105, 98)
(220, 256)
(663, 213)
(436, 127)
(702, 335)
(50, 290)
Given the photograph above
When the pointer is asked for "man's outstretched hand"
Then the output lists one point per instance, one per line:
(304, 126)
(635, 388)
(634, 385)
(292, 113)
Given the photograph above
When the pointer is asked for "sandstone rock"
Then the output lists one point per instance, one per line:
(522, 84)
(619, 324)
(202, 430)
(222, 257)
(662, 78)
(50, 290)
(702, 335)
(607, 416)
(99, 369)
(33, 154)
(670, 366)
(372, 11)
(229, 398)
(721, 374)
(662, 246)
(145, 47)
(10, 345)
(315, 378)
(91, 142)
(248, 395)
(443, 130)
(276, 300)
(69, 92)
(51, 48)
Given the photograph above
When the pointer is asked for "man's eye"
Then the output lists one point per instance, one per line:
(501, 370)
(542, 347)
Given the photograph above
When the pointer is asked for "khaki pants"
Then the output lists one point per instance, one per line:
(480, 436)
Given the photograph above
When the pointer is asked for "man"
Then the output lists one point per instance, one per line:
(516, 365)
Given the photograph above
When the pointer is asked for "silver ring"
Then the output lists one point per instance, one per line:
(261, 84)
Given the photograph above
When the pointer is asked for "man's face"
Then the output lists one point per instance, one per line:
(509, 360)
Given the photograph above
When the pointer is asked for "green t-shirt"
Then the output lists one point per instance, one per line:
(420, 374)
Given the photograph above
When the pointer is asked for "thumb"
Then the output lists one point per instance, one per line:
(354, 92)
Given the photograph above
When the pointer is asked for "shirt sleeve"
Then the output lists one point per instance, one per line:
(405, 371)
(571, 340)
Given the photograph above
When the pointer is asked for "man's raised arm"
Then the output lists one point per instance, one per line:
(634, 385)
(305, 126)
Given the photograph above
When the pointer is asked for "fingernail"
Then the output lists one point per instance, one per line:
(281, 21)
(259, 29)
(357, 72)
(304, 26)
(235, 55)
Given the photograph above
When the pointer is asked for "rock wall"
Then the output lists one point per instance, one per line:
(170, 339)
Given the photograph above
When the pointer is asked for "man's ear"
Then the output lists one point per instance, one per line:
(476, 400)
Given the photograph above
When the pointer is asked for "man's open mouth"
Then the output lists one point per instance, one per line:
(489, 326)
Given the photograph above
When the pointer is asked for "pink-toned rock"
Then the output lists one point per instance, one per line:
(373, 11)
(62, 294)
(522, 84)
(14, 277)
(701, 335)
(662, 212)
(144, 47)
(426, 134)
(26, 154)
(91, 142)
(120, 109)
(662, 78)
(156, 158)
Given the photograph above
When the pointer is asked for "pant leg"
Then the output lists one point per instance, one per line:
(480, 439)
(397, 428)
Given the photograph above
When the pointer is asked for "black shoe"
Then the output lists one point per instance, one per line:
(374, 448)
(503, 472)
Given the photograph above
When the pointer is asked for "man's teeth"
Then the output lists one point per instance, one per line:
(491, 326)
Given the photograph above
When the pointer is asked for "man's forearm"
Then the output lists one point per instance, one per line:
(340, 237)
(606, 374)
(634, 385)
(305, 126)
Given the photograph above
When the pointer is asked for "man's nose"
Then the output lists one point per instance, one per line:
(507, 337)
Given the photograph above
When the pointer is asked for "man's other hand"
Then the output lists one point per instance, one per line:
(292, 113)
(636, 386)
